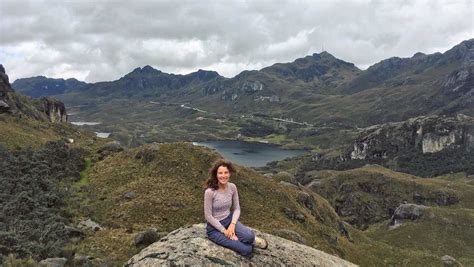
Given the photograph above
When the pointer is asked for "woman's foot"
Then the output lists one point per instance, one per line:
(260, 243)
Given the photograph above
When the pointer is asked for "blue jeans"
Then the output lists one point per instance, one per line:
(243, 246)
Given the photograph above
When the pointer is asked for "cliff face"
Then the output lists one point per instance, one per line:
(55, 109)
(4, 83)
(424, 134)
(5, 88)
(189, 246)
(18, 104)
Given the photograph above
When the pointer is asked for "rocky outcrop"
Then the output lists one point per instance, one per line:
(55, 109)
(251, 87)
(4, 82)
(5, 88)
(189, 246)
(53, 262)
(114, 147)
(406, 212)
(424, 134)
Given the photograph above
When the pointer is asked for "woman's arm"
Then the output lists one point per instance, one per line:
(235, 204)
(208, 212)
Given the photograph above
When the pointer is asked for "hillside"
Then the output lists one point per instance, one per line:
(166, 183)
(42, 86)
(414, 208)
(325, 95)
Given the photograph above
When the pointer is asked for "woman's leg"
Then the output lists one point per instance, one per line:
(237, 246)
(244, 234)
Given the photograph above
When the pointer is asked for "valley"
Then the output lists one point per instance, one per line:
(383, 175)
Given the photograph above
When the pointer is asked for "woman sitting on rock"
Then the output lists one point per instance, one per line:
(223, 226)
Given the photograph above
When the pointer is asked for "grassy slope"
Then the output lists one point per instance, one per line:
(179, 170)
(443, 230)
(170, 195)
(18, 133)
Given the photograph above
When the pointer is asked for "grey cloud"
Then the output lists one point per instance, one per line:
(103, 40)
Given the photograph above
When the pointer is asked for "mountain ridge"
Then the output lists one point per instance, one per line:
(317, 91)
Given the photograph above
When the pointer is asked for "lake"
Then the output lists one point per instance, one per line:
(82, 123)
(250, 154)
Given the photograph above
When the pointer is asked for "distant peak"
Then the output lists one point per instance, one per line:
(146, 70)
(204, 74)
(207, 71)
(419, 54)
(149, 69)
(323, 54)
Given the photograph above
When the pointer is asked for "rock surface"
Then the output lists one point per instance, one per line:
(406, 212)
(90, 225)
(5, 88)
(55, 109)
(190, 246)
(4, 82)
(425, 134)
(52, 262)
(449, 261)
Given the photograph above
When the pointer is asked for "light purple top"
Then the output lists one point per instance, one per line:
(217, 205)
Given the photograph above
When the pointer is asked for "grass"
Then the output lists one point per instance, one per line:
(169, 195)
(25, 132)
(84, 174)
(439, 232)
(442, 230)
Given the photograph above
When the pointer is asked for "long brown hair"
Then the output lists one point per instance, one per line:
(212, 181)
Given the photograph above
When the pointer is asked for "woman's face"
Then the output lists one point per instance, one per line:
(223, 175)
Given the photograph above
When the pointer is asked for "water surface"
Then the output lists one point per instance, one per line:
(81, 123)
(250, 154)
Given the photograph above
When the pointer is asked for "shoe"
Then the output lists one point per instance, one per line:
(260, 243)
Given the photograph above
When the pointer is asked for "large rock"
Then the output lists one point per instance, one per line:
(189, 246)
(109, 149)
(90, 225)
(52, 262)
(55, 109)
(5, 88)
(4, 82)
(406, 212)
(148, 237)
(424, 134)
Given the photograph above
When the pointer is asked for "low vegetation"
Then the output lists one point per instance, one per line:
(33, 219)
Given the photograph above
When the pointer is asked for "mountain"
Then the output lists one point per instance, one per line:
(42, 86)
(91, 201)
(425, 146)
(316, 101)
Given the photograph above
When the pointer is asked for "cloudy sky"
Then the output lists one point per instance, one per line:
(94, 40)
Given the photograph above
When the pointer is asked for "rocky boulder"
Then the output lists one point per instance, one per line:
(109, 149)
(148, 237)
(406, 212)
(190, 246)
(53, 262)
(90, 225)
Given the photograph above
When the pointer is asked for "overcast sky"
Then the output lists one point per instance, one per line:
(94, 40)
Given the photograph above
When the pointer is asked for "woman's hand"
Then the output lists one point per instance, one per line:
(230, 232)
